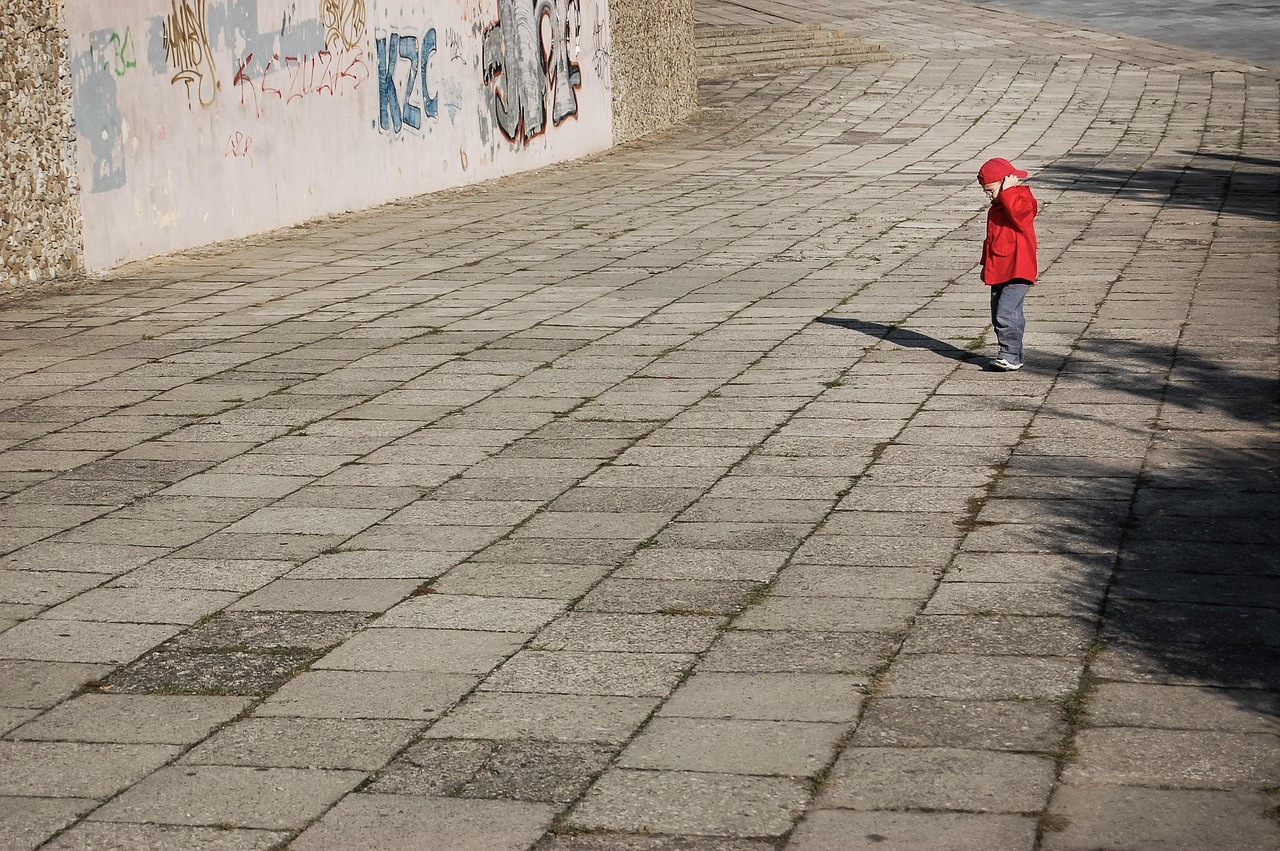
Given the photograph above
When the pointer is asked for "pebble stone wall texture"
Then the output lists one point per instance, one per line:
(651, 62)
(39, 208)
(654, 78)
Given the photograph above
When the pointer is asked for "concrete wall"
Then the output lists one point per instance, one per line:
(39, 187)
(197, 121)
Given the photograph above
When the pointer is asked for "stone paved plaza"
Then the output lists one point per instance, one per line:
(664, 501)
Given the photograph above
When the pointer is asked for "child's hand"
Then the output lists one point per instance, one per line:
(1009, 180)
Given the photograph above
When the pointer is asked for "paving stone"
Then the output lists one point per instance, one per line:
(129, 719)
(774, 697)
(545, 717)
(377, 564)
(13, 718)
(28, 822)
(1093, 817)
(45, 587)
(834, 614)
(1000, 635)
(659, 596)
(208, 672)
(632, 526)
(689, 803)
(81, 641)
(803, 580)
(76, 769)
(492, 579)
(971, 725)
(640, 842)
(458, 611)
(240, 575)
(596, 632)
(733, 536)
(404, 823)
(438, 650)
(794, 651)
(363, 745)
(99, 836)
(622, 499)
(876, 550)
(845, 830)
(433, 768)
(625, 674)
(142, 605)
(1013, 598)
(584, 551)
(938, 779)
(266, 547)
(1240, 666)
(362, 694)
(1175, 759)
(428, 539)
(311, 521)
(1184, 708)
(465, 512)
(267, 631)
(1158, 620)
(707, 564)
(265, 798)
(39, 685)
(328, 595)
(751, 747)
(959, 676)
(518, 770)
(81, 558)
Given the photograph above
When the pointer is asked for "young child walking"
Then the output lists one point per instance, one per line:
(1008, 255)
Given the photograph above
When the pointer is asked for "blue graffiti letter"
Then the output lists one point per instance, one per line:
(431, 103)
(388, 100)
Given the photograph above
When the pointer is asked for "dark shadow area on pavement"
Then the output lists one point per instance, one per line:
(1196, 597)
(1244, 193)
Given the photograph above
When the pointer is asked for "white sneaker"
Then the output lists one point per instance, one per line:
(1004, 366)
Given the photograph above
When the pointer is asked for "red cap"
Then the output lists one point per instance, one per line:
(996, 170)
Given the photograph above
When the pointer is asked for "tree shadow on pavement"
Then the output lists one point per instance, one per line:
(1196, 595)
(1239, 191)
(1193, 533)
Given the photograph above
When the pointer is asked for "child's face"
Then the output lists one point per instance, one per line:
(992, 190)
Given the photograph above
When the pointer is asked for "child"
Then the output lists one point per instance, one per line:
(1008, 255)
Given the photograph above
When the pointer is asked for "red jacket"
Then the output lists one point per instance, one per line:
(1009, 251)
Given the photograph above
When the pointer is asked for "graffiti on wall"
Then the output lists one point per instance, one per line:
(187, 50)
(344, 22)
(285, 79)
(523, 64)
(186, 110)
(404, 93)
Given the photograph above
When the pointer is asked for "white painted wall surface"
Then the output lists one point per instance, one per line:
(204, 120)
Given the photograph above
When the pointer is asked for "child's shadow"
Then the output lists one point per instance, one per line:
(901, 336)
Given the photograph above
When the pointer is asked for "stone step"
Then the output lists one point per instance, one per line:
(712, 72)
(731, 48)
(728, 50)
(759, 35)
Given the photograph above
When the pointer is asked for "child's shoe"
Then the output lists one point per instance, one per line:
(1004, 366)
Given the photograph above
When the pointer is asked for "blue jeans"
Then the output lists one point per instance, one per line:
(1008, 319)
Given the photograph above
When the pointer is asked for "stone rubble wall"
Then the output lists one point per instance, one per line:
(40, 220)
(655, 82)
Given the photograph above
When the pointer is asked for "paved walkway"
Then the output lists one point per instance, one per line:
(662, 500)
